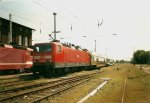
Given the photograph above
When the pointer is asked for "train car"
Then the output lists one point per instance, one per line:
(109, 62)
(14, 58)
(56, 58)
(97, 61)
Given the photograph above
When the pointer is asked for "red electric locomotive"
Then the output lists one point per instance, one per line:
(56, 58)
(14, 59)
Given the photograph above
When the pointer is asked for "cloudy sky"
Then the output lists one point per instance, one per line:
(129, 19)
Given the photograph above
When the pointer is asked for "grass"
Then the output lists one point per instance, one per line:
(112, 92)
(137, 89)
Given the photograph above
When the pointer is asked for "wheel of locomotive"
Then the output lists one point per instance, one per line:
(49, 71)
(33, 70)
(57, 72)
(62, 70)
(67, 70)
(74, 69)
(71, 70)
(79, 69)
(34, 73)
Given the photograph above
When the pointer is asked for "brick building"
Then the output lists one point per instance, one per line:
(21, 35)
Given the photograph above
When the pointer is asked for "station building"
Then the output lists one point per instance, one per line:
(21, 35)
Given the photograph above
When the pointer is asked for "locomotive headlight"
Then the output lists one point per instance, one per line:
(48, 57)
(48, 60)
(36, 57)
(35, 61)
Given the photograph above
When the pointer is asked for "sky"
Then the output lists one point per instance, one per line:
(128, 19)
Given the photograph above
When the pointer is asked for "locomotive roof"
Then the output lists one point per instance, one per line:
(66, 45)
(15, 46)
(48, 43)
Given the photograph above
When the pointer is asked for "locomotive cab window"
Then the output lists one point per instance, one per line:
(58, 48)
(42, 48)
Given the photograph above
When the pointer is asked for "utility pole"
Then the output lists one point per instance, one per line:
(54, 25)
(10, 29)
(95, 46)
(106, 53)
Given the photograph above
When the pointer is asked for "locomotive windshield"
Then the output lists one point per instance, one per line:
(43, 48)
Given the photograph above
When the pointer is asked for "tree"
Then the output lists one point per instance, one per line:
(141, 57)
(148, 54)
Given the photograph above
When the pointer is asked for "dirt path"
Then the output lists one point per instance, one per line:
(147, 70)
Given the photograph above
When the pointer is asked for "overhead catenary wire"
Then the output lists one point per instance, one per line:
(42, 6)
(25, 15)
(21, 16)
(72, 14)
(36, 22)
(60, 14)
(47, 9)
(68, 11)
(17, 15)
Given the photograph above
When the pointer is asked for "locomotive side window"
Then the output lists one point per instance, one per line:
(42, 48)
(59, 48)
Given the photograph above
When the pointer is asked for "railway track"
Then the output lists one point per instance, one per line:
(38, 92)
(16, 80)
(59, 90)
(14, 84)
(8, 77)
(8, 82)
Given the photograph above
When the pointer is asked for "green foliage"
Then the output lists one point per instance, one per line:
(121, 61)
(141, 57)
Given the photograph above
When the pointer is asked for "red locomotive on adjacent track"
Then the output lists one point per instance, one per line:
(56, 58)
(14, 59)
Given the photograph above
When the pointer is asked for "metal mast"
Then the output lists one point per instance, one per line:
(54, 25)
(95, 46)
